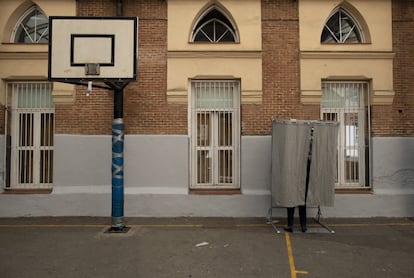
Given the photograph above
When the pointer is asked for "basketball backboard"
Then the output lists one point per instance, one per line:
(92, 48)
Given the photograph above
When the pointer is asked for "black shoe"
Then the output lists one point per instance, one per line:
(288, 229)
(304, 229)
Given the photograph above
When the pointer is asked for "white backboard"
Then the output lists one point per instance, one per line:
(92, 48)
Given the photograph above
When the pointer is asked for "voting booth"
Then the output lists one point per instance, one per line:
(304, 164)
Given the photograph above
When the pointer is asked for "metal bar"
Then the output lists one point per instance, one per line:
(340, 26)
(317, 219)
(270, 219)
(31, 152)
(86, 85)
(308, 166)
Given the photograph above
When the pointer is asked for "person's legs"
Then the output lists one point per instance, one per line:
(290, 214)
(302, 217)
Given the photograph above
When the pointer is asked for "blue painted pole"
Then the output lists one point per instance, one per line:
(118, 162)
(118, 174)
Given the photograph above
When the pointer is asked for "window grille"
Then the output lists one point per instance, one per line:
(341, 27)
(347, 103)
(33, 27)
(31, 118)
(214, 27)
(215, 134)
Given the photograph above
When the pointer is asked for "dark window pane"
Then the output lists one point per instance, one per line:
(214, 27)
(341, 28)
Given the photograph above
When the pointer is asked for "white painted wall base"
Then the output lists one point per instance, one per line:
(88, 203)
(156, 182)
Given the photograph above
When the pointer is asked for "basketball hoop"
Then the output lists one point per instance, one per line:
(92, 69)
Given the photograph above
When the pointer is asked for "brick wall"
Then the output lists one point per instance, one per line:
(145, 107)
(398, 119)
(281, 91)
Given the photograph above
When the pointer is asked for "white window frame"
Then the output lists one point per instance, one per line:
(41, 176)
(214, 147)
(346, 150)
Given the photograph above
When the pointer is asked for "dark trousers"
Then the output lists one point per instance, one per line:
(302, 216)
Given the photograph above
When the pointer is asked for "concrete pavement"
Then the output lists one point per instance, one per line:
(204, 247)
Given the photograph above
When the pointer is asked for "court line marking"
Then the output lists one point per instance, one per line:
(52, 225)
(372, 224)
(194, 225)
(100, 225)
(293, 270)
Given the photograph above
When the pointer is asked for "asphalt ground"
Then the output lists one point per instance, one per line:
(205, 247)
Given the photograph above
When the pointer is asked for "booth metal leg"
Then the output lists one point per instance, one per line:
(270, 220)
(317, 219)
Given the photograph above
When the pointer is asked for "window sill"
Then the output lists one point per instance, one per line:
(25, 43)
(353, 191)
(215, 191)
(27, 191)
(346, 43)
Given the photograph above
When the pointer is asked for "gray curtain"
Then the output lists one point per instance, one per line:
(290, 144)
(323, 168)
(290, 150)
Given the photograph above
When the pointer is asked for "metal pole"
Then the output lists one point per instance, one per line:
(308, 165)
(118, 128)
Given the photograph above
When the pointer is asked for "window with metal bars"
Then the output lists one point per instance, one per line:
(29, 133)
(347, 103)
(215, 134)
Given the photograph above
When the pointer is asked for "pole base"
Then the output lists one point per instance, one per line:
(117, 230)
(118, 226)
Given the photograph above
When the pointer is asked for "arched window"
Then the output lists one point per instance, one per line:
(214, 26)
(32, 27)
(342, 27)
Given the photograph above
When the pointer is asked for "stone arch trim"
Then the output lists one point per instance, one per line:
(357, 16)
(205, 10)
(15, 17)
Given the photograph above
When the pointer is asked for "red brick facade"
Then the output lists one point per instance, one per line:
(146, 110)
(281, 88)
(398, 120)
